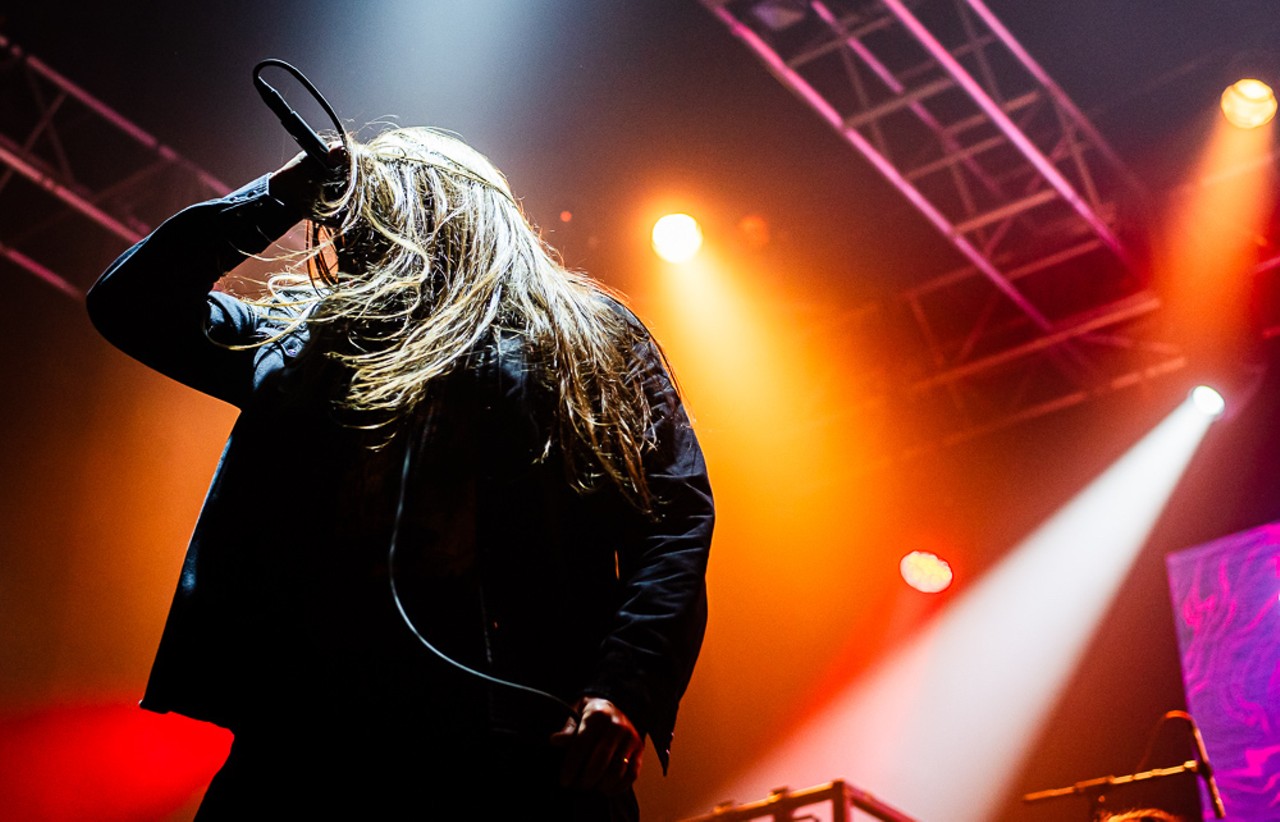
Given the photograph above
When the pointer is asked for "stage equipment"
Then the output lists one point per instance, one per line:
(677, 238)
(1099, 791)
(1249, 103)
(782, 804)
(302, 133)
(926, 572)
(1044, 310)
(1208, 401)
(77, 167)
(1203, 767)
(1170, 788)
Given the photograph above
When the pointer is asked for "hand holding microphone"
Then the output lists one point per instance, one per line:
(301, 181)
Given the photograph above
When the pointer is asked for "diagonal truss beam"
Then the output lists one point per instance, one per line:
(53, 137)
(946, 105)
(1006, 125)
(803, 89)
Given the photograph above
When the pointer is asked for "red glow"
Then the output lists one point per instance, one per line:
(566, 216)
(104, 762)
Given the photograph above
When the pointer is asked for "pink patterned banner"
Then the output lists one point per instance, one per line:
(1226, 595)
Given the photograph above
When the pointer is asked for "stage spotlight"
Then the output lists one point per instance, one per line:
(1208, 401)
(677, 237)
(779, 15)
(926, 572)
(1249, 103)
(943, 724)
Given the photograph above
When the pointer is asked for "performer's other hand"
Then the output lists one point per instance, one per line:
(602, 750)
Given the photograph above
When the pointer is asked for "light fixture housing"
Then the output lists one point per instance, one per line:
(677, 238)
(1249, 103)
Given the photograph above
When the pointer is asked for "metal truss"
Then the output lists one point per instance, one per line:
(78, 177)
(841, 798)
(1038, 308)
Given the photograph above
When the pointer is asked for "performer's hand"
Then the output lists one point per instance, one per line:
(300, 181)
(602, 750)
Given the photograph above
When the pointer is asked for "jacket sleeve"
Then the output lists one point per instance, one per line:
(648, 657)
(156, 304)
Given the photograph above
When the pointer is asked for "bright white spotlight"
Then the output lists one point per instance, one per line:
(1208, 402)
(943, 725)
(926, 572)
(1249, 103)
(677, 237)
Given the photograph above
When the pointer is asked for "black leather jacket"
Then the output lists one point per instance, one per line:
(283, 601)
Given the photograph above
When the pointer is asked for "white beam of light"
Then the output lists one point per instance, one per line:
(942, 726)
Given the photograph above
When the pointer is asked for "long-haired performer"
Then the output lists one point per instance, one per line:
(452, 561)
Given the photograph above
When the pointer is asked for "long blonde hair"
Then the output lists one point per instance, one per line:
(424, 257)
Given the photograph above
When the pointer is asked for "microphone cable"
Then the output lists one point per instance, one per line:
(302, 133)
(318, 150)
(404, 615)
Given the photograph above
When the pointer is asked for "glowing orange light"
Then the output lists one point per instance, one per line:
(754, 230)
(1249, 103)
(566, 216)
(677, 238)
(926, 572)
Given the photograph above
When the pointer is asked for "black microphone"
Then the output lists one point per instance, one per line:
(1202, 762)
(293, 123)
(1206, 770)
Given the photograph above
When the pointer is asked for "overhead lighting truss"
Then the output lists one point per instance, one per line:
(76, 177)
(1037, 309)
